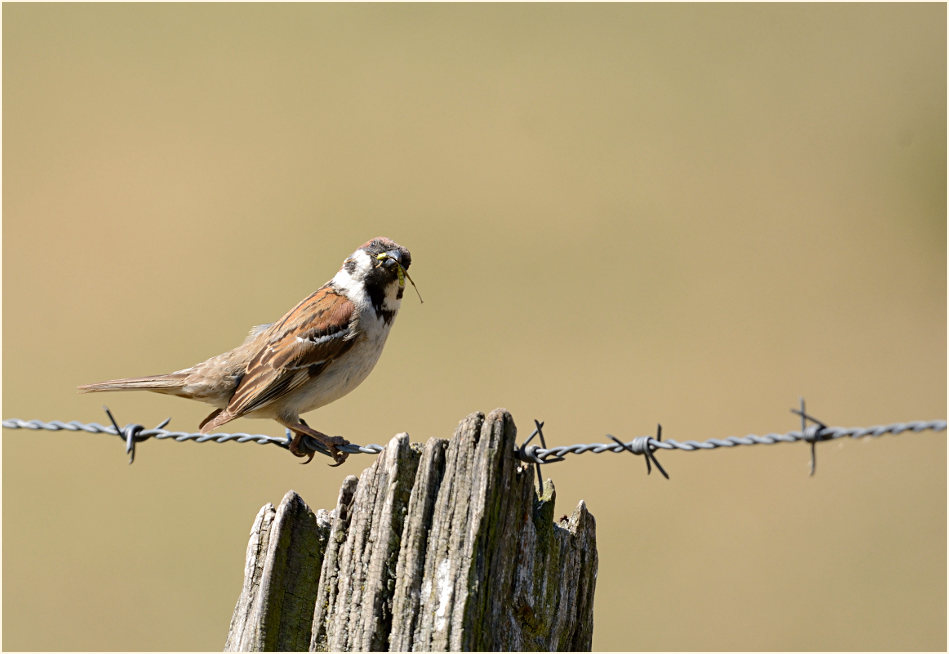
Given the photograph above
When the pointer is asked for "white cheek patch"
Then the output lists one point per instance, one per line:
(351, 283)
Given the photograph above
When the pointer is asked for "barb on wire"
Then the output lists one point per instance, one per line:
(132, 434)
(642, 446)
(525, 453)
(811, 436)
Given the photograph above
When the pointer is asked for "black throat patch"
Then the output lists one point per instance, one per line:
(377, 295)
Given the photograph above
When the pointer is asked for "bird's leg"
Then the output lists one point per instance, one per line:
(301, 429)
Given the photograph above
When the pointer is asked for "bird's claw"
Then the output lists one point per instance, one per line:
(297, 449)
(338, 456)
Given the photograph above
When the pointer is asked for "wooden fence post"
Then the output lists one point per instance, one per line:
(441, 547)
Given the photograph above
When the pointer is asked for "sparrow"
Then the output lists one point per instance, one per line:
(319, 351)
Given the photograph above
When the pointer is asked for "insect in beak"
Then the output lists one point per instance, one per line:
(389, 259)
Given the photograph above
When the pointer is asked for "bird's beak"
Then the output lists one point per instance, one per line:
(391, 258)
(394, 258)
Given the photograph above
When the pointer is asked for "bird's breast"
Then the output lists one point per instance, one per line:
(344, 373)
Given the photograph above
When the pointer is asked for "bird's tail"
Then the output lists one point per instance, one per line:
(170, 384)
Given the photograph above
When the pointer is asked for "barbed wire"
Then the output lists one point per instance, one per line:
(646, 446)
(135, 433)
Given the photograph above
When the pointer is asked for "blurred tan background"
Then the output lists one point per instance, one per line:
(618, 214)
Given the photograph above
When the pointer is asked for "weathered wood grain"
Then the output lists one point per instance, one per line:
(441, 547)
(280, 576)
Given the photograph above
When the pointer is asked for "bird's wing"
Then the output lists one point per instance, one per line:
(294, 350)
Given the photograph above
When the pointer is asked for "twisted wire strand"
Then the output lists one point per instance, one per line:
(642, 445)
(808, 435)
(139, 433)
(647, 445)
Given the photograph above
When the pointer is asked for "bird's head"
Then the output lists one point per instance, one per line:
(380, 268)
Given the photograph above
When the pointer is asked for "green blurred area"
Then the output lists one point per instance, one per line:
(618, 215)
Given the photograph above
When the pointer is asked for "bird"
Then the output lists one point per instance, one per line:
(319, 351)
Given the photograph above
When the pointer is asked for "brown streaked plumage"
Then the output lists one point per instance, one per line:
(317, 352)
